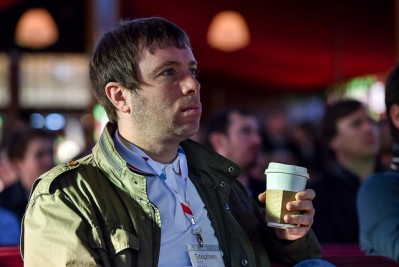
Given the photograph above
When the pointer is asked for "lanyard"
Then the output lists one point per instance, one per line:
(181, 159)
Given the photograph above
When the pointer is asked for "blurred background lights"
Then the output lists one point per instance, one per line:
(37, 120)
(101, 119)
(228, 31)
(67, 150)
(369, 89)
(36, 29)
(55, 121)
(377, 97)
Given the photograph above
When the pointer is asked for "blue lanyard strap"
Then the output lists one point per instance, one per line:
(177, 167)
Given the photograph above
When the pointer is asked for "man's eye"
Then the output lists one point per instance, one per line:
(246, 131)
(194, 72)
(168, 72)
(356, 123)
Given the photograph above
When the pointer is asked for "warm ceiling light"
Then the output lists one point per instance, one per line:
(36, 29)
(228, 32)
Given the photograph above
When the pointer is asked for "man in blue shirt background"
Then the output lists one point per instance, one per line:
(378, 197)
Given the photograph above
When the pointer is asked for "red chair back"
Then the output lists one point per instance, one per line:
(10, 257)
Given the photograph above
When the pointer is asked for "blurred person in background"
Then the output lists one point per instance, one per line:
(9, 223)
(234, 133)
(276, 138)
(351, 142)
(386, 140)
(307, 143)
(7, 174)
(31, 153)
(378, 197)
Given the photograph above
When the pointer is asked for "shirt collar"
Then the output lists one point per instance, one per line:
(135, 158)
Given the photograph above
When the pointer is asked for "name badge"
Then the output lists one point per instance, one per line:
(205, 256)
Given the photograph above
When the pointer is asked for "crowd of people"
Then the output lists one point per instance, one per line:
(147, 188)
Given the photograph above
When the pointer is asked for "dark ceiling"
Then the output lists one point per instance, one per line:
(300, 45)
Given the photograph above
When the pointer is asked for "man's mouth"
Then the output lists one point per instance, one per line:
(192, 109)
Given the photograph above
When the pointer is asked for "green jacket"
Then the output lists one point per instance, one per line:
(96, 212)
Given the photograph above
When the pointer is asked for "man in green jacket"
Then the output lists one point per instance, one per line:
(147, 195)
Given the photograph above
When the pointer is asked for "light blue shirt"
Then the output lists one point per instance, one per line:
(165, 186)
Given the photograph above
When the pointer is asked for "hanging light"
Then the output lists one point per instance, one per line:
(228, 31)
(36, 29)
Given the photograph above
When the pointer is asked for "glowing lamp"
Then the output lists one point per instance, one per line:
(228, 32)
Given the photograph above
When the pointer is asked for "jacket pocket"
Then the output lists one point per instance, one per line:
(115, 241)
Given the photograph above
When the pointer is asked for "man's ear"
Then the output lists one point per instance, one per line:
(119, 96)
(394, 115)
(218, 141)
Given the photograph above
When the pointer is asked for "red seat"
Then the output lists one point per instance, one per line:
(10, 257)
(338, 254)
(333, 249)
(361, 261)
(350, 255)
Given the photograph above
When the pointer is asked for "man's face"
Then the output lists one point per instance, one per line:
(37, 160)
(357, 136)
(167, 105)
(243, 140)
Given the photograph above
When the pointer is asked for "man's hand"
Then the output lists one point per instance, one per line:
(303, 203)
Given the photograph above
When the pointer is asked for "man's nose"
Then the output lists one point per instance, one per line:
(190, 85)
(370, 126)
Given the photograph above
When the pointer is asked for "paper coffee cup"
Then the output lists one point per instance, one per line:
(283, 181)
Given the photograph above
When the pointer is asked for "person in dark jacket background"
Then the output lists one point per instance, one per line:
(31, 153)
(378, 197)
(351, 143)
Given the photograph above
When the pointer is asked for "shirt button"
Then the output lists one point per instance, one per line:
(244, 262)
(222, 184)
(230, 169)
(226, 206)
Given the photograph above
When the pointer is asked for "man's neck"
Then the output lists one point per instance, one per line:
(160, 150)
(362, 167)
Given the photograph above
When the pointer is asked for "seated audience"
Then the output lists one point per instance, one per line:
(276, 136)
(30, 152)
(378, 198)
(7, 173)
(351, 140)
(234, 134)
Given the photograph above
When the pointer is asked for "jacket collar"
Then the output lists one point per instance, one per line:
(200, 159)
(139, 162)
(135, 158)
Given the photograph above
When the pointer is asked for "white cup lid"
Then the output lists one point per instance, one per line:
(286, 168)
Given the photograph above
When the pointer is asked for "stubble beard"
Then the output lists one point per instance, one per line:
(154, 124)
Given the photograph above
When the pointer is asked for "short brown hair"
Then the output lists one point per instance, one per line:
(117, 54)
(334, 112)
